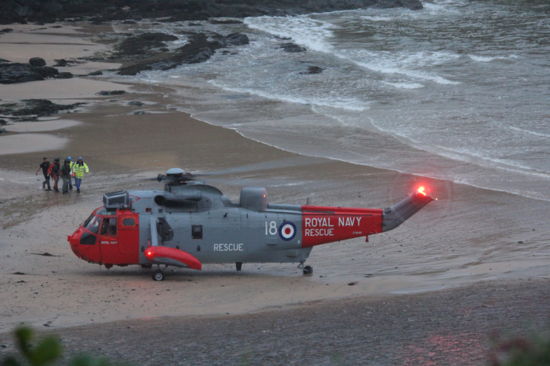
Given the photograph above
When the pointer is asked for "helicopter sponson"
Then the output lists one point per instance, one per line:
(187, 225)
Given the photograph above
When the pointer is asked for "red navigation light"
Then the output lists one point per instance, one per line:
(149, 253)
(422, 190)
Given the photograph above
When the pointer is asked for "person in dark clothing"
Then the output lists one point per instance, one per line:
(55, 170)
(66, 175)
(71, 162)
(45, 166)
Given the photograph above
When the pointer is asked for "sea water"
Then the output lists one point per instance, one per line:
(459, 90)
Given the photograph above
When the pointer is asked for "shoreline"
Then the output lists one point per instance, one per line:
(444, 246)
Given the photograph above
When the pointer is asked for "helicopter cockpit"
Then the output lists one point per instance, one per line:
(109, 234)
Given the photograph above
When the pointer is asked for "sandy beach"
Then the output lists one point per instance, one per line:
(469, 236)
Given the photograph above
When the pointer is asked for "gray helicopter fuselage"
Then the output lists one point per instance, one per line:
(199, 220)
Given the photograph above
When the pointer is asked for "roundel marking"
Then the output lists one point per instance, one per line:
(287, 230)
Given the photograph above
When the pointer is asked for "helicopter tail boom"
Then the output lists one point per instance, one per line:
(322, 225)
(395, 215)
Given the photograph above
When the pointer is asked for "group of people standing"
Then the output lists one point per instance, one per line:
(67, 171)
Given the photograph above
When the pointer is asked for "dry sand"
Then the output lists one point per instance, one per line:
(469, 235)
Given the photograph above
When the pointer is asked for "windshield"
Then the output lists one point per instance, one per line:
(92, 223)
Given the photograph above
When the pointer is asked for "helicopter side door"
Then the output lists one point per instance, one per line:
(128, 236)
(118, 238)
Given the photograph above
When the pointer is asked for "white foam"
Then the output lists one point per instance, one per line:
(343, 103)
(534, 133)
(315, 35)
(392, 66)
(310, 33)
(465, 155)
(404, 85)
(491, 58)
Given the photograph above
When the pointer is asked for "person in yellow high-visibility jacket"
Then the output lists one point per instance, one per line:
(78, 169)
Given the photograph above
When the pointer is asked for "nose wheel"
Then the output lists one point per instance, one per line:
(158, 275)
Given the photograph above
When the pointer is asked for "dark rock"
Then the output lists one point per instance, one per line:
(96, 73)
(313, 70)
(61, 63)
(6, 30)
(136, 103)
(409, 4)
(352, 283)
(144, 42)
(292, 47)
(139, 113)
(237, 39)
(3, 60)
(64, 75)
(129, 22)
(111, 92)
(46, 71)
(198, 49)
(3, 122)
(34, 107)
(2, 130)
(18, 73)
(37, 62)
(12, 11)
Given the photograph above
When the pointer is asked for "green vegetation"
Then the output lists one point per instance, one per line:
(522, 352)
(47, 351)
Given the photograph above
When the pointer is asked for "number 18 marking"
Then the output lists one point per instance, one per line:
(271, 228)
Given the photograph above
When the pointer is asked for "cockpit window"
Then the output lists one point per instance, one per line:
(88, 220)
(92, 224)
(108, 226)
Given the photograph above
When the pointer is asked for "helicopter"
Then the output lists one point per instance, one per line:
(189, 223)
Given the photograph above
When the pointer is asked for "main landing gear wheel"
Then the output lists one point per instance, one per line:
(158, 275)
(307, 271)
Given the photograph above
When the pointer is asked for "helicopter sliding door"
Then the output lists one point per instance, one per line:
(128, 236)
(118, 238)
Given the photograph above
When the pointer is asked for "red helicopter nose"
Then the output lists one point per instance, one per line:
(74, 241)
(88, 252)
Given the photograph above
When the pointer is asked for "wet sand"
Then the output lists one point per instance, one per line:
(469, 235)
(450, 327)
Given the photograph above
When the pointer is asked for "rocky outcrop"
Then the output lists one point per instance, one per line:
(18, 73)
(143, 43)
(34, 107)
(102, 10)
(199, 48)
(292, 47)
(12, 72)
(110, 92)
(236, 39)
(37, 62)
(312, 70)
